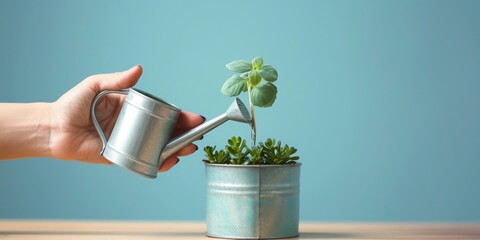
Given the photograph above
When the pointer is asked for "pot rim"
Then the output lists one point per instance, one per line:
(298, 164)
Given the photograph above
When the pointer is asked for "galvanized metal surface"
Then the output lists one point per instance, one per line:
(140, 140)
(252, 201)
(142, 129)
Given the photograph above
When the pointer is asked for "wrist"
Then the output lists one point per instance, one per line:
(44, 129)
(26, 130)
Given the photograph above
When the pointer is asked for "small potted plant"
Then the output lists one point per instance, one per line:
(252, 192)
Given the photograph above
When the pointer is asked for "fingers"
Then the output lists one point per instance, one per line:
(173, 160)
(116, 81)
(187, 150)
(168, 164)
(187, 121)
(97, 159)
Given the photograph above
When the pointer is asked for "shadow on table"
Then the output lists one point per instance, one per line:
(107, 233)
(327, 235)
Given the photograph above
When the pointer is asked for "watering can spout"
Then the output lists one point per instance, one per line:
(236, 112)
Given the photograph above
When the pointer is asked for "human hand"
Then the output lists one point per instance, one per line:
(73, 136)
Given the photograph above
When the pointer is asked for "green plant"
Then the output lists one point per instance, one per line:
(237, 148)
(216, 157)
(256, 155)
(237, 152)
(255, 78)
(275, 153)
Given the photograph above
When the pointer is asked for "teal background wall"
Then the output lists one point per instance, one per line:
(382, 99)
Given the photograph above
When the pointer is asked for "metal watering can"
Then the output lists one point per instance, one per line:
(140, 140)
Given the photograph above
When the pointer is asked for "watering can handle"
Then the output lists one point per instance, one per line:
(94, 117)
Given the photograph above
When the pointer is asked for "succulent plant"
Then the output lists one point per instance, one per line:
(216, 157)
(237, 152)
(237, 148)
(275, 153)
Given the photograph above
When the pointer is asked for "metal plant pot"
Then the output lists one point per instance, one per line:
(252, 201)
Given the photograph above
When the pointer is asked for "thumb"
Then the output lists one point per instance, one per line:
(118, 80)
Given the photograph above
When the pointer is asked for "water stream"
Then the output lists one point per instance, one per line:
(253, 134)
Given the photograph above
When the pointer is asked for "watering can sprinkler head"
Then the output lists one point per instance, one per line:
(238, 112)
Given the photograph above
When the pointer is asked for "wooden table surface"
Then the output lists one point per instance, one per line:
(15, 229)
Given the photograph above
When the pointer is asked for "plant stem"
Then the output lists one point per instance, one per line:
(252, 112)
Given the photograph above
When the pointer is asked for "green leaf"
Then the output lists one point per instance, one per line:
(234, 86)
(245, 88)
(257, 63)
(269, 73)
(264, 94)
(255, 78)
(239, 66)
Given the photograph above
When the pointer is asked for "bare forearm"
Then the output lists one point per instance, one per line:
(24, 130)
